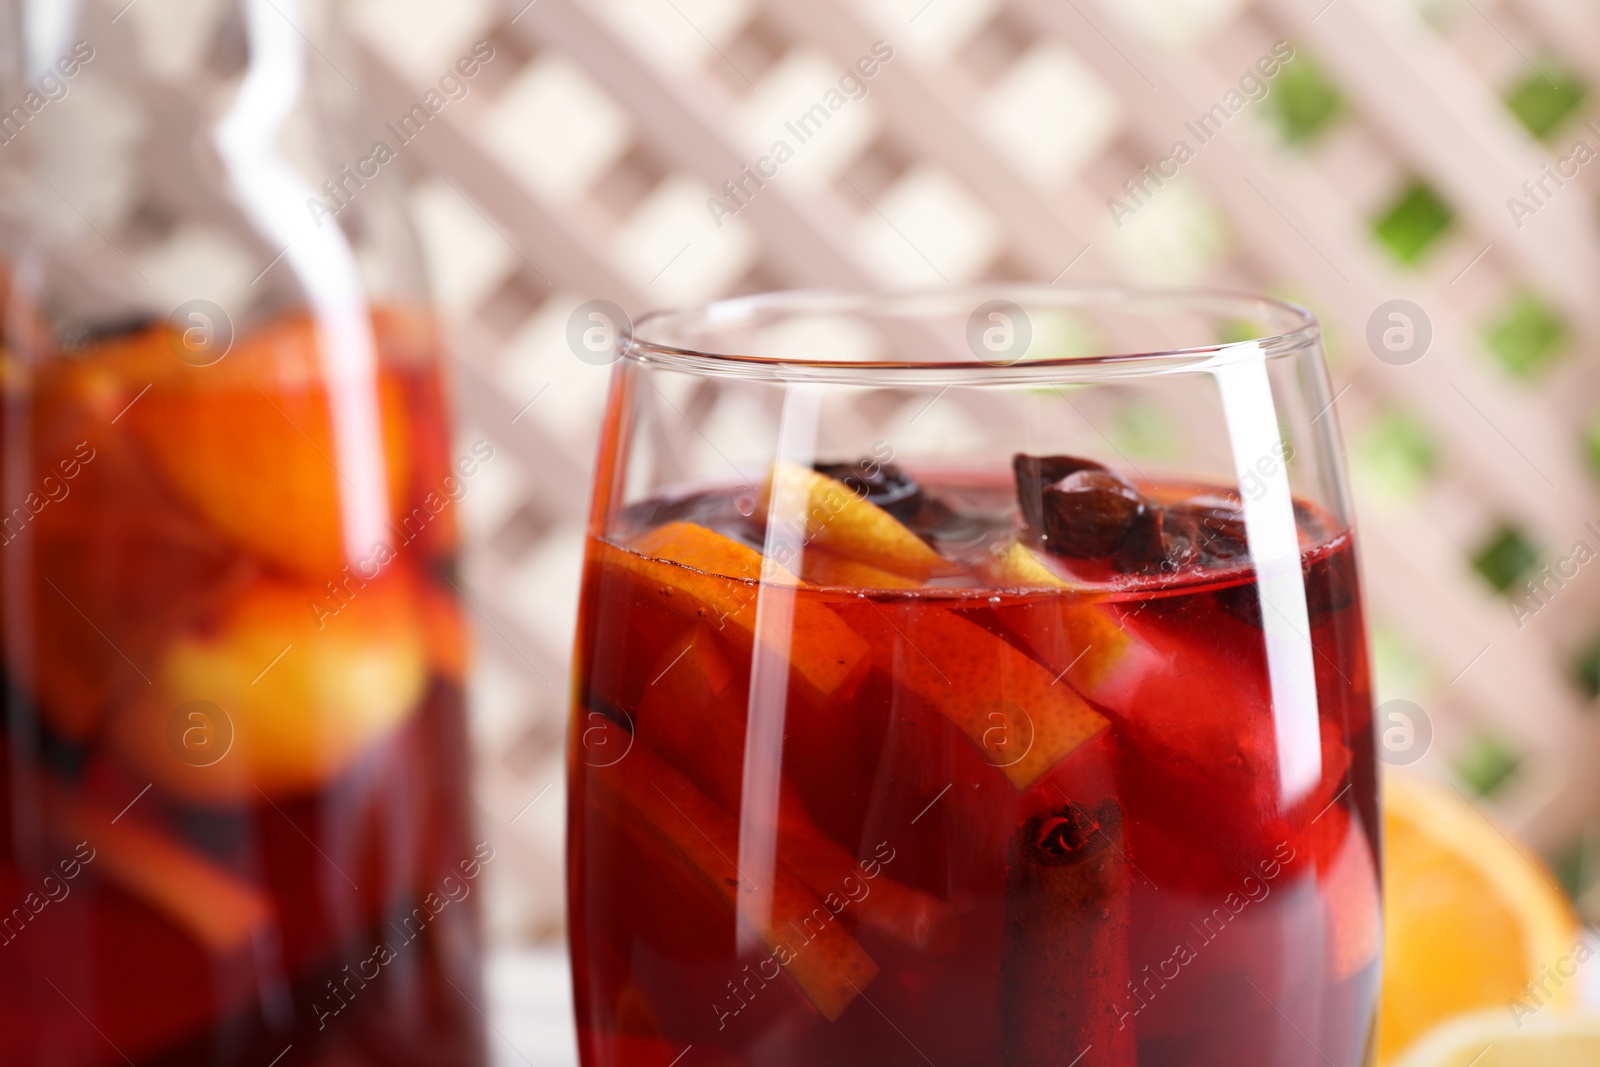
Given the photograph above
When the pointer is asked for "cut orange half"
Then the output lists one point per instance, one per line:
(1470, 919)
(1492, 1039)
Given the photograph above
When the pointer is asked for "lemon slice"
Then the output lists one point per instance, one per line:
(1492, 1039)
(1470, 919)
(1077, 637)
(836, 519)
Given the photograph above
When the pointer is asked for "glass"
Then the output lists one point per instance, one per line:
(949, 690)
(234, 813)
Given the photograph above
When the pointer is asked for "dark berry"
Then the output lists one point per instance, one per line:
(1216, 527)
(1087, 514)
(953, 529)
(1144, 543)
(1033, 473)
(1330, 584)
(712, 509)
(883, 484)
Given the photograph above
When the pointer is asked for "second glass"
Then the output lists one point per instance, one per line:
(918, 720)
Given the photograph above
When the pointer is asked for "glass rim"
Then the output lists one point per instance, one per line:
(1295, 329)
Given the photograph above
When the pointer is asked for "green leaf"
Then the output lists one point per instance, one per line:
(1591, 444)
(1586, 669)
(1485, 764)
(1505, 558)
(1303, 101)
(1396, 453)
(1545, 98)
(1527, 336)
(1416, 219)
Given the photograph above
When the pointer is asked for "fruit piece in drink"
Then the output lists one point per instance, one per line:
(251, 444)
(684, 569)
(837, 519)
(829, 966)
(300, 696)
(1009, 706)
(693, 715)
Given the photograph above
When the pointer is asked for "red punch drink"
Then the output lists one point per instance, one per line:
(1039, 767)
(233, 768)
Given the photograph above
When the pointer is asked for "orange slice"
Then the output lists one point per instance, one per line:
(700, 575)
(838, 520)
(1078, 634)
(1494, 1039)
(803, 934)
(289, 694)
(249, 444)
(693, 715)
(705, 550)
(826, 569)
(1023, 719)
(114, 567)
(1470, 919)
(209, 903)
(448, 644)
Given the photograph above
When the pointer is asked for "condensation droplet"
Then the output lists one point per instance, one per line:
(746, 506)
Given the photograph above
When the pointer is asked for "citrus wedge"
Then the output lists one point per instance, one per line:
(1470, 919)
(248, 443)
(1491, 1039)
(1080, 635)
(840, 572)
(208, 902)
(288, 699)
(693, 715)
(643, 793)
(1020, 717)
(845, 524)
(697, 574)
(706, 550)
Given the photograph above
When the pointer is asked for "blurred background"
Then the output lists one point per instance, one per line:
(1420, 173)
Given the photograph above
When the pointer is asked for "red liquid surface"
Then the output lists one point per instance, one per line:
(863, 878)
(311, 883)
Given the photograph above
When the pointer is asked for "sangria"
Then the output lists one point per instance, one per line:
(233, 796)
(885, 760)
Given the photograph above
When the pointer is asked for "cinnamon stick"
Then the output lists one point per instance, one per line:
(1064, 961)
